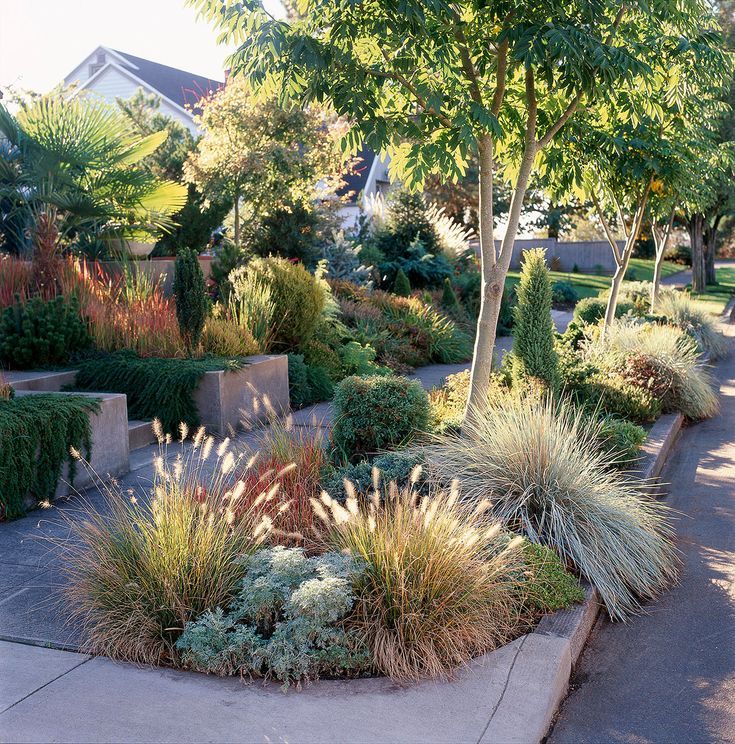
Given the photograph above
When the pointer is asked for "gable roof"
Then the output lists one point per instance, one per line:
(357, 179)
(183, 88)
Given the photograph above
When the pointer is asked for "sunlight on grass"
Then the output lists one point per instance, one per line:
(716, 297)
(590, 285)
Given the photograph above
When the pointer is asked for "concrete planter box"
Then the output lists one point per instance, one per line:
(228, 401)
(110, 453)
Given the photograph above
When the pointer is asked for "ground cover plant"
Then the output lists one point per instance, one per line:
(37, 433)
(539, 464)
(156, 388)
(286, 622)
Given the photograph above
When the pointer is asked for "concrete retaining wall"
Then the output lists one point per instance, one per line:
(228, 401)
(110, 454)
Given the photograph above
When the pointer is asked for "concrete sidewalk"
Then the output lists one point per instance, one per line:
(670, 677)
(505, 696)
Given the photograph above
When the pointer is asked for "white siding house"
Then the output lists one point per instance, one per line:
(110, 74)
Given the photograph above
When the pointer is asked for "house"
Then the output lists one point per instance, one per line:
(368, 178)
(111, 74)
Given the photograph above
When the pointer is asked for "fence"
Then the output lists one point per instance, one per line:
(585, 256)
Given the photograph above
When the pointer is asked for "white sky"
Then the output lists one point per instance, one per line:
(41, 41)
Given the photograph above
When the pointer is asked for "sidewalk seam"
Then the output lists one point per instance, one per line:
(505, 688)
(46, 684)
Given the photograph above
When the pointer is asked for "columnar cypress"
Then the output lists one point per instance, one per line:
(401, 285)
(534, 355)
(191, 298)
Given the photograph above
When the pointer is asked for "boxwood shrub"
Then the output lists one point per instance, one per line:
(376, 413)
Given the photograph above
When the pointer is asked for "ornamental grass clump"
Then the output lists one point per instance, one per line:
(540, 464)
(147, 563)
(681, 311)
(440, 580)
(661, 359)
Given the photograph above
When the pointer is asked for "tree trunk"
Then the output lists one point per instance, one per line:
(493, 276)
(661, 241)
(696, 238)
(632, 239)
(487, 319)
(710, 249)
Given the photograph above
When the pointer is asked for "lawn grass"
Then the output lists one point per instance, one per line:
(716, 296)
(590, 285)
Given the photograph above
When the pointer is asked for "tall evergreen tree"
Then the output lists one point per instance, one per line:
(534, 355)
(191, 298)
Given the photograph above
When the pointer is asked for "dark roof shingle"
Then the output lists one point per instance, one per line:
(184, 88)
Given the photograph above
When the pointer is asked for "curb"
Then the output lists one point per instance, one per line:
(539, 679)
(656, 448)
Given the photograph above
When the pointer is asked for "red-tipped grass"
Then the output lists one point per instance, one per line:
(282, 481)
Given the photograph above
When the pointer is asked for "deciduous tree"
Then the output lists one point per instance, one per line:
(434, 82)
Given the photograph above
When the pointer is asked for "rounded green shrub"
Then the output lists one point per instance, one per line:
(299, 390)
(611, 393)
(592, 309)
(375, 413)
(39, 333)
(298, 298)
(564, 293)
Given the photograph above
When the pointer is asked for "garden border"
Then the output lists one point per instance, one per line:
(539, 684)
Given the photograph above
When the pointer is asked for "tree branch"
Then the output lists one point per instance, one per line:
(502, 74)
(608, 232)
(410, 87)
(560, 122)
(468, 66)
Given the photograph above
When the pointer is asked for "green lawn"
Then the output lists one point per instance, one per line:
(590, 285)
(718, 295)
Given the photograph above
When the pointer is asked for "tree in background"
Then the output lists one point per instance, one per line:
(190, 293)
(263, 156)
(639, 145)
(199, 217)
(711, 198)
(433, 84)
(534, 355)
(81, 161)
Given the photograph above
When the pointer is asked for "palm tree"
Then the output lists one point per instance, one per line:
(79, 160)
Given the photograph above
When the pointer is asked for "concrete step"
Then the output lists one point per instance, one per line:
(140, 434)
(40, 382)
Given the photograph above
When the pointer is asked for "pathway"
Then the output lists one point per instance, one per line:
(682, 278)
(669, 677)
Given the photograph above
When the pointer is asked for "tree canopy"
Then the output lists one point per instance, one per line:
(263, 155)
(433, 82)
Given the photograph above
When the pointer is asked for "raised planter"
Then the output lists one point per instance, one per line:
(110, 453)
(228, 401)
